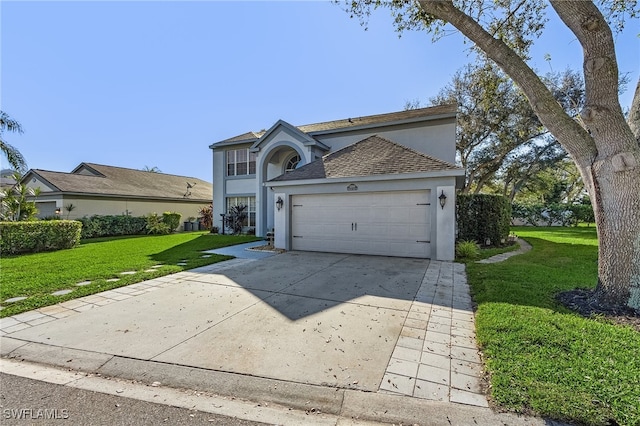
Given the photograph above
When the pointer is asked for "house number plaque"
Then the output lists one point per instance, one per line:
(352, 187)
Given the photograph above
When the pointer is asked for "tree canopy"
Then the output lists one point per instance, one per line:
(498, 134)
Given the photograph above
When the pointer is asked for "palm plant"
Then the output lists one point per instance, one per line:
(14, 204)
(14, 157)
(153, 169)
(236, 217)
(69, 208)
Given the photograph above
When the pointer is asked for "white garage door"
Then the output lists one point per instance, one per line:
(380, 223)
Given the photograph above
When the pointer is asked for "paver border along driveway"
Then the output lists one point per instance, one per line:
(378, 324)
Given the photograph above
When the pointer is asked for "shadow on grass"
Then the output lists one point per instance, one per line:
(536, 277)
(191, 251)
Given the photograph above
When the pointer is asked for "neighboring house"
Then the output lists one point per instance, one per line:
(95, 189)
(7, 178)
(368, 185)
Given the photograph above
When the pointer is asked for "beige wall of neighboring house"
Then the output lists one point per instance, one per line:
(88, 206)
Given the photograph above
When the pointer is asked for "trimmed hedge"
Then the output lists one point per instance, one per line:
(483, 217)
(35, 236)
(172, 219)
(109, 226)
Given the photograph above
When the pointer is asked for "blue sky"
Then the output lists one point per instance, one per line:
(136, 84)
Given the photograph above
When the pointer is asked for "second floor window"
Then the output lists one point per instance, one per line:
(241, 162)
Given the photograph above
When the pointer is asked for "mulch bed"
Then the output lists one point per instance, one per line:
(583, 302)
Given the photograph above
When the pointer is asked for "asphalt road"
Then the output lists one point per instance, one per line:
(25, 402)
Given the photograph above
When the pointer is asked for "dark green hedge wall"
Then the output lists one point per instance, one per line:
(483, 217)
(35, 236)
(108, 226)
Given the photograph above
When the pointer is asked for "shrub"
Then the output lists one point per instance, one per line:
(467, 250)
(172, 220)
(32, 237)
(236, 217)
(484, 218)
(156, 226)
(206, 216)
(108, 226)
(581, 213)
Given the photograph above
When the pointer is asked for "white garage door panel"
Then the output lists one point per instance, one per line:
(380, 223)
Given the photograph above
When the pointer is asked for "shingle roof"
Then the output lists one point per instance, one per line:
(379, 118)
(120, 181)
(327, 126)
(371, 156)
(245, 137)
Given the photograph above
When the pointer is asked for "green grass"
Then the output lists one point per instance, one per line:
(542, 358)
(38, 275)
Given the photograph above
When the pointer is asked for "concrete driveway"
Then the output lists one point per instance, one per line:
(332, 321)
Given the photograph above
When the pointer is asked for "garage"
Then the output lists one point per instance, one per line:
(379, 223)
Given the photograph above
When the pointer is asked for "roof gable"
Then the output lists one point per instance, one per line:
(34, 179)
(85, 169)
(371, 156)
(292, 130)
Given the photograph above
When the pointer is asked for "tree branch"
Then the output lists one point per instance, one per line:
(602, 104)
(574, 138)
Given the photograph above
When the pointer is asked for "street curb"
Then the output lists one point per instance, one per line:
(344, 403)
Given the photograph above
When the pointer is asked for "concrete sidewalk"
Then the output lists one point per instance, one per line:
(374, 338)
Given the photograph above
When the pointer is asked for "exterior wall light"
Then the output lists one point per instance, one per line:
(279, 203)
(58, 210)
(443, 199)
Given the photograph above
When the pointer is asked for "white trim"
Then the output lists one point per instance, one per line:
(371, 178)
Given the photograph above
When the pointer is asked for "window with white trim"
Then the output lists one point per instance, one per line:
(250, 202)
(292, 163)
(241, 162)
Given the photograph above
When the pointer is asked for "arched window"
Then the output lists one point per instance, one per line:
(292, 163)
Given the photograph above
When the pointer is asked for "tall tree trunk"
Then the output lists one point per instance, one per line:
(634, 113)
(617, 212)
(607, 154)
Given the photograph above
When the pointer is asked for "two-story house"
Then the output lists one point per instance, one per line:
(381, 184)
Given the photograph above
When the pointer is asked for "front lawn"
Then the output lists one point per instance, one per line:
(37, 275)
(542, 358)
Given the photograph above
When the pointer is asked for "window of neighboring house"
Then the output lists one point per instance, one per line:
(292, 163)
(241, 162)
(251, 210)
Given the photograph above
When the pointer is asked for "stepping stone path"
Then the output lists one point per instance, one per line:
(149, 270)
(181, 263)
(524, 247)
(206, 255)
(83, 283)
(128, 273)
(15, 299)
(158, 266)
(113, 280)
(61, 292)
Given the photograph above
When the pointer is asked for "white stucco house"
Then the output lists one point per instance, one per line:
(381, 184)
